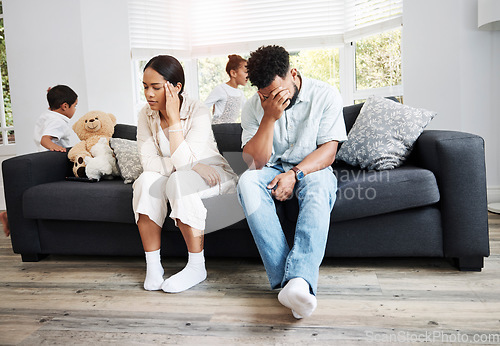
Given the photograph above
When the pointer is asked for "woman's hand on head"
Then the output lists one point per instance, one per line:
(172, 103)
(208, 173)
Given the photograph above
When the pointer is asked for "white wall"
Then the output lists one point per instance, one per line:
(44, 48)
(452, 67)
(81, 43)
(494, 158)
(106, 52)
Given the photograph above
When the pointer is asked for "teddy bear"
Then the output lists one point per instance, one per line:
(93, 157)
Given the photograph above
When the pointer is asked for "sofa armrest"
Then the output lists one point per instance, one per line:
(457, 160)
(19, 174)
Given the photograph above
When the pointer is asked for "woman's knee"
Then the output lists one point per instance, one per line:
(147, 179)
(149, 183)
(181, 183)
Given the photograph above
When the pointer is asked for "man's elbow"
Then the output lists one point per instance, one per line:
(253, 162)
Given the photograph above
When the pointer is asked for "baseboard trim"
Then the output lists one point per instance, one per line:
(493, 194)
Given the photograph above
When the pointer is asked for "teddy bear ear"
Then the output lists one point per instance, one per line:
(77, 126)
(113, 118)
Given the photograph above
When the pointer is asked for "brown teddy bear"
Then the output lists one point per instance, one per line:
(91, 128)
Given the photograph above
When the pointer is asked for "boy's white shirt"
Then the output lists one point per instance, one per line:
(52, 124)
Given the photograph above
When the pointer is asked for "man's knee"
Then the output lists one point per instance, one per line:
(248, 181)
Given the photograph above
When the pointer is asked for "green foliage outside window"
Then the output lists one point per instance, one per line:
(5, 78)
(321, 64)
(378, 60)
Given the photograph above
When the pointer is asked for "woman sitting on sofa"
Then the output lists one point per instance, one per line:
(181, 165)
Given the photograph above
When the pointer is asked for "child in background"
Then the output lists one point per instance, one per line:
(52, 130)
(226, 99)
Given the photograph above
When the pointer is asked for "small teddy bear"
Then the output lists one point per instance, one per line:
(93, 157)
(102, 163)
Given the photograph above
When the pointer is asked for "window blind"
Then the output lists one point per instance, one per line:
(251, 23)
(158, 25)
(201, 28)
(367, 17)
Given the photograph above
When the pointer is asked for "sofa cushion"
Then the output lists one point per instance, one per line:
(111, 201)
(125, 131)
(384, 133)
(106, 200)
(228, 136)
(363, 193)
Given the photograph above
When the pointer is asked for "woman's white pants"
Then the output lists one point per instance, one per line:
(183, 189)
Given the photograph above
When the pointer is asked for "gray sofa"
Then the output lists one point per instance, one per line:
(432, 206)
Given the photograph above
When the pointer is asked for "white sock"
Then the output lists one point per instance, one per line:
(191, 275)
(154, 271)
(296, 296)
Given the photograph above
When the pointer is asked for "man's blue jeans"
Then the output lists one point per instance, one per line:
(316, 194)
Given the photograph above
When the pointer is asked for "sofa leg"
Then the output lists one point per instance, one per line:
(471, 264)
(32, 257)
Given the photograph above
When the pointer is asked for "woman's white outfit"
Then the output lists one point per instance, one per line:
(169, 177)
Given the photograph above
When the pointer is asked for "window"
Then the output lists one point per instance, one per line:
(139, 99)
(321, 64)
(378, 65)
(351, 44)
(7, 135)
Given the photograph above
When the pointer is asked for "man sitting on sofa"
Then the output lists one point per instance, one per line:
(291, 129)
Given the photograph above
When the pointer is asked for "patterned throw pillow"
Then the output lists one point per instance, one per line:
(383, 135)
(127, 157)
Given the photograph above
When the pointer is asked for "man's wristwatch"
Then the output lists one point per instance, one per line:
(299, 175)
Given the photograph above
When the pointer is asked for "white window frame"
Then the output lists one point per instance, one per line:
(349, 91)
(6, 148)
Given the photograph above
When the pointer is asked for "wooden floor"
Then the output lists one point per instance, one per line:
(100, 300)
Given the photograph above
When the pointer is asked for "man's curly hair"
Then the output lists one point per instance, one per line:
(266, 63)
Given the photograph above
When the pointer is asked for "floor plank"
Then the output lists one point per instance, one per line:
(81, 300)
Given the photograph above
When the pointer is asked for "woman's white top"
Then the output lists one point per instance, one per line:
(164, 143)
(199, 144)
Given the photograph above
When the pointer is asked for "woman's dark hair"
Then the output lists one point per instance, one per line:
(233, 63)
(60, 94)
(169, 67)
(266, 63)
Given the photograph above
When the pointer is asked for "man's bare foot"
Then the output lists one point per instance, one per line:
(5, 223)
